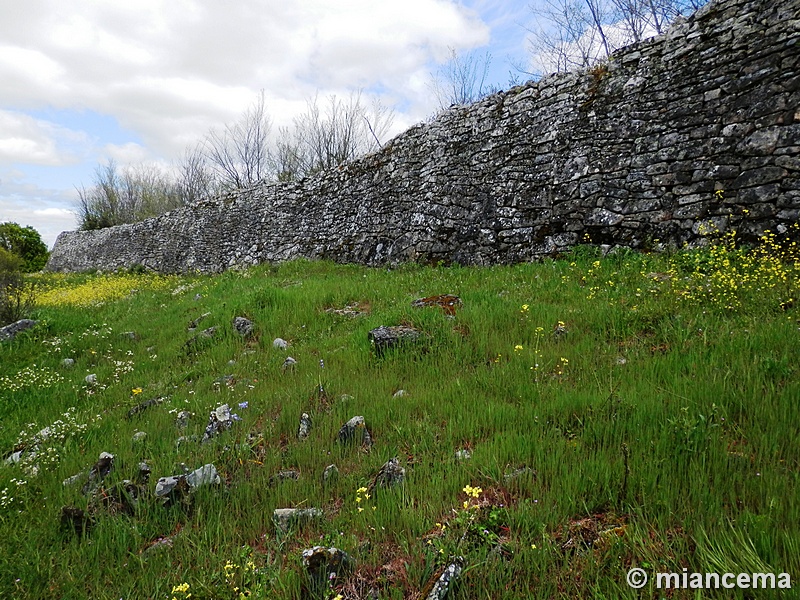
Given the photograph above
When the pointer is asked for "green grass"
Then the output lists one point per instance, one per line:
(659, 431)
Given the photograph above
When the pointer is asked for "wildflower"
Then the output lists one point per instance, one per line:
(243, 404)
(518, 348)
(137, 390)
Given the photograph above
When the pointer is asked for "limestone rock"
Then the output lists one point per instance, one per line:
(355, 432)
(9, 332)
(383, 338)
(389, 475)
(305, 426)
(286, 518)
(447, 302)
(243, 326)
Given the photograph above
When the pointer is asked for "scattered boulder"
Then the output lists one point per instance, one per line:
(305, 426)
(143, 474)
(325, 565)
(389, 475)
(280, 344)
(145, 405)
(68, 363)
(444, 580)
(286, 518)
(399, 394)
(98, 472)
(383, 338)
(330, 474)
(205, 475)
(447, 302)
(350, 311)
(193, 324)
(281, 476)
(91, 379)
(519, 473)
(243, 326)
(131, 335)
(182, 420)
(463, 454)
(219, 420)
(139, 437)
(9, 332)
(75, 520)
(355, 432)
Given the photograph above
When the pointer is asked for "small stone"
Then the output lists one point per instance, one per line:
(9, 332)
(205, 475)
(91, 379)
(138, 437)
(389, 475)
(517, 473)
(219, 420)
(383, 338)
(143, 473)
(289, 363)
(463, 455)
(75, 520)
(197, 297)
(131, 335)
(325, 566)
(445, 581)
(355, 432)
(285, 518)
(165, 485)
(243, 326)
(68, 363)
(281, 476)
(621, 360)
(330, 474)
(74, 480)
(280, 344)
(182, 420)
(447, 302)
(305, 426)
(399, 394)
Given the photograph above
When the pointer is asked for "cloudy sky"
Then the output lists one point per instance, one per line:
(84, 81)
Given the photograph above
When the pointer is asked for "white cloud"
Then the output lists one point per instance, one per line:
(37, 141)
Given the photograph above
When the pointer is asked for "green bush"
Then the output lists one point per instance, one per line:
(17, 296)
(26, 243)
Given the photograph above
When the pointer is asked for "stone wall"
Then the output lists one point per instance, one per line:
(696, 129)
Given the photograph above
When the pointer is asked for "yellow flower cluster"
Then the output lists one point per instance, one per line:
(102, 289)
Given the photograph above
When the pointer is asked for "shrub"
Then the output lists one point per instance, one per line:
(17, 296)
(26, 243)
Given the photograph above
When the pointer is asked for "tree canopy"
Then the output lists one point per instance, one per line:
(26, 243)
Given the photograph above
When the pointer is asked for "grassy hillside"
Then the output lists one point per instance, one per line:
(619, 412)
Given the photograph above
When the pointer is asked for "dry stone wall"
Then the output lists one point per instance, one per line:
(694, 130)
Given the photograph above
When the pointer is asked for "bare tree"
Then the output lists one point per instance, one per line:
(125, 196)
(329, 135)
(240, 153)
(196, 180)
(462, 79)
(576, 34)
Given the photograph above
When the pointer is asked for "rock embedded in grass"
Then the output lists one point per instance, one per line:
(219, 420)
(68, 363)
(289, 363)
(243, 326)
(447, 302)
(285, 518)
(330, 474)
(389, 475)
(9, 332)
(280, 344)
(355, 432)
(444, 580)
(305, 426)
(281, 476)
(325, 566)
(383, 338)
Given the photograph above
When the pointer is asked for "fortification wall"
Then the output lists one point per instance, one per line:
(696, 129)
